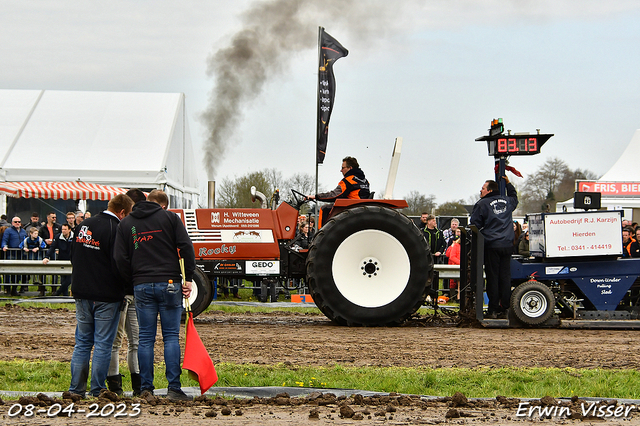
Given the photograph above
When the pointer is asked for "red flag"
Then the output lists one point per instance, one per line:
(197, 359)
(508, 169)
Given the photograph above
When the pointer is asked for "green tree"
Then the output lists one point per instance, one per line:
(419, 203)
(275, 180)
(301, 182)
(451, 208)
(553, 182)
(236, 193)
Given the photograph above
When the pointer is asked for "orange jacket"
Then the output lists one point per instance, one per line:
(354, 185)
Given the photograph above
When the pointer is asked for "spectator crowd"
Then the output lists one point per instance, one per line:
(37, 239)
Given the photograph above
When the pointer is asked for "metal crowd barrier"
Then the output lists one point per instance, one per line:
(63, 267)
(25, 267)
(449, 272)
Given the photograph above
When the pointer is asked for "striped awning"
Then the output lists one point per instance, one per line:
(60, 190)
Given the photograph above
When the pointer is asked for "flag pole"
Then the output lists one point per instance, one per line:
(320, 29)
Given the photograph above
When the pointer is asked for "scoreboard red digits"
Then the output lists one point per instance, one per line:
(504, 145)
(517, 145)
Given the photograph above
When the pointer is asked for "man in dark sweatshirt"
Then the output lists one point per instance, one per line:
(149, 244)
(98, 290)
(492, 214)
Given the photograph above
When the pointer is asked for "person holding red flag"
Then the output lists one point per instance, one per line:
(149, 245)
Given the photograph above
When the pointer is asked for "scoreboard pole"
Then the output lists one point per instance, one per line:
(501, 163)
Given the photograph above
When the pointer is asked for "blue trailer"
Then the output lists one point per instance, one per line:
(575, 290)
(577, 275)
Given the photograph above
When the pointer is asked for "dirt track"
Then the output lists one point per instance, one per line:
(45, 334)
(269, 338)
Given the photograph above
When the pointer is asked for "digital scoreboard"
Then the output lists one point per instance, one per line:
(501, 145)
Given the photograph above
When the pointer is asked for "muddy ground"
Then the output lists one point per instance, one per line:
(309, 339)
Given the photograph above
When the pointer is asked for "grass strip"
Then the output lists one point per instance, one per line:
(41, 376)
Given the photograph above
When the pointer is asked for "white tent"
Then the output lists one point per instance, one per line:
(619, 186)
(111, 138)
(626, 168)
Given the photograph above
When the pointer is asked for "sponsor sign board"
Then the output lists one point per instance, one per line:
(594, 233)
(234, 218)
(609, 188)
(262, 267)
(227, 267)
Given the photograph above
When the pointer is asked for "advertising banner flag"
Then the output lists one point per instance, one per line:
(330, 51)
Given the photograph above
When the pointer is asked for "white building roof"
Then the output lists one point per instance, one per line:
(110, 138)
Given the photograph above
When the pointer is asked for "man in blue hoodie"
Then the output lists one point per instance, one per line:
(492, 214)
(149, 243)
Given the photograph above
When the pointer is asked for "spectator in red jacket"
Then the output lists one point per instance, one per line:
(453, 253)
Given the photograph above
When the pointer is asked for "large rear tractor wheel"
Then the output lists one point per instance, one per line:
(369, 266)
(201, 292)
(533, 302)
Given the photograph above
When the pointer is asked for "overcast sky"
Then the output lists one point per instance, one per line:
(433, 72)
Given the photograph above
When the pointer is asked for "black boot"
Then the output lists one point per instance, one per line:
(136, 382)
(114, 383)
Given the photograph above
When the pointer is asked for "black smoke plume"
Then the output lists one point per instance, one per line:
(272, 32)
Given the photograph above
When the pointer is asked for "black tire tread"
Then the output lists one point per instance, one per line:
(336, 223)
(521, 290)
(205, 292)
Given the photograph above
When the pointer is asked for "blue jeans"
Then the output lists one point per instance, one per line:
(165, 299)
(96, 328)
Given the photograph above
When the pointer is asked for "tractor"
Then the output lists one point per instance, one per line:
(368, 265)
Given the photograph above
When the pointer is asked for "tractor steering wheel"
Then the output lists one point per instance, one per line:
(298, 198)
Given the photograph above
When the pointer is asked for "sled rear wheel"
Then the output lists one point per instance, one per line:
(532, 302)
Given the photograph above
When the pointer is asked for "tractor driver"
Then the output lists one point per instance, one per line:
(354, 185)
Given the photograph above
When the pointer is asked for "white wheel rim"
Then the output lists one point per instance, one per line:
(193, 296)
(533, 304)
(387, 268)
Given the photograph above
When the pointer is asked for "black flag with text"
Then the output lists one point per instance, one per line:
(330, 51)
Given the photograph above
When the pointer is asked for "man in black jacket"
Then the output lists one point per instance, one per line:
(492, 214)
(128, 325)
(62, 243)
(434, 238)
(99, 290)
(149, 244)
(50, 229)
